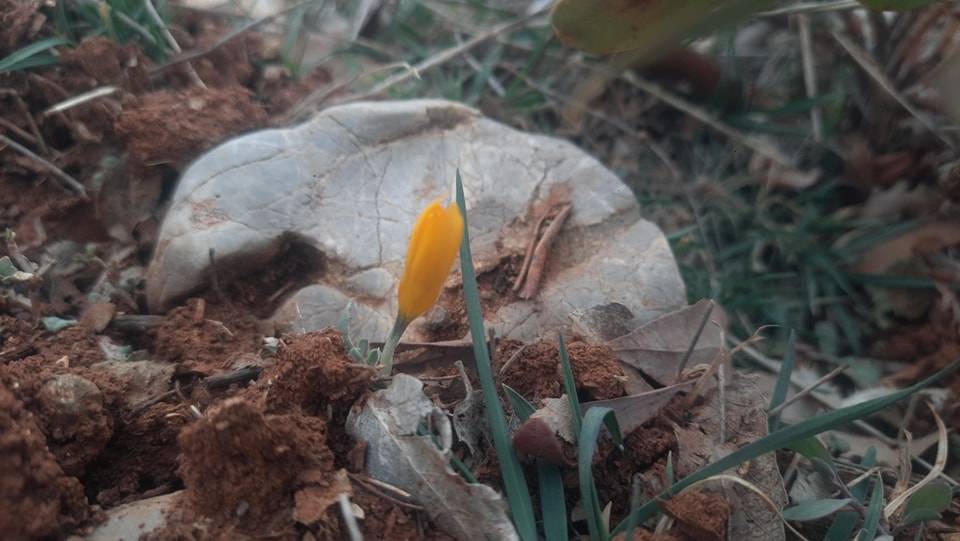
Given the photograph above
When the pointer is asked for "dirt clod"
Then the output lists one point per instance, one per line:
(699, 515)
(73, 418)
(240, 464)
(174, 126)
(36, 499)
(536, 373)
(311, 371)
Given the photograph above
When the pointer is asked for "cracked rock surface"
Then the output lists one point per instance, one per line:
(350, 182)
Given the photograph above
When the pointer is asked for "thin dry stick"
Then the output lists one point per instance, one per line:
(320, 95)
(80, 99)
(696, 338)
(755, 144)
(641, 136)
(913, 38)
(807, 390)
(348, 519)
(25, 111)
(71, 182)
(810, 75)
(774, 367)
(938, 466)
(171, 41)
(17, 130)
(812, 7)
(514, 357)
(230, 36)
(534, 235)
(21, 260)
(445, 56)
(870, 67)
(215, 276)
(539, 261)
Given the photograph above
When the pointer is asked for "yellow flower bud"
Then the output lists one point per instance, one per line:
(433, 247)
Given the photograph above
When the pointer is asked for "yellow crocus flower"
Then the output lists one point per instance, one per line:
(433, 247)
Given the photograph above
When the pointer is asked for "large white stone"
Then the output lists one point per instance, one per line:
(351, 181)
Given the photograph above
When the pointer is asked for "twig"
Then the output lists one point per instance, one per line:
(445, 56)
(214, 382)
(913, 39)
(71, 182)
(374, 486)
(228, 37)
(641, 136)
(810, 75)
(812, 7)
(80, 99)
(539, 260)
(136, 322)
(514, 357)
(171, 41)
(25, 111)
(755, 144)
(20, 132)
(10, 238)
(321, 94)
(348, 519)
(774, 367)
(807, 390)
(696, 338)
(214, 277)
(534, 235)
(871, 68)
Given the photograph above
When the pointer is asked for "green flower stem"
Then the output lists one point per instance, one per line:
(386, 358)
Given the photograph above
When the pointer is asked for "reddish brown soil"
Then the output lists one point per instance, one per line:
(37, 499)
(536, 373)
(173, 127)
(312, 372)
(644, 452)
(700, 515)
(238, 463)
(207, 338)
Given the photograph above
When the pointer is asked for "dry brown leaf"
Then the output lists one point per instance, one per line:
(924, 239)
(657, 348)
(771, 173)
(397, 455)
(745, 421)
(635, 410)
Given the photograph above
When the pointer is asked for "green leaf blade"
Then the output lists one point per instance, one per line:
(871, 522)
(593, 422)
(927, 503)
(515, 484)
(789, 435)
(814, 509)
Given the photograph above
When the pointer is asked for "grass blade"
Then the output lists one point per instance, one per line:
(788, 435)
(553, 506)
(570, 387)
(783, 380)
(552, 502)
(814, 509)
(635, 499)
(871, 522)
(521, 508)
(522, 407)
(22, 57)
(593, 421)
(842, 527)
